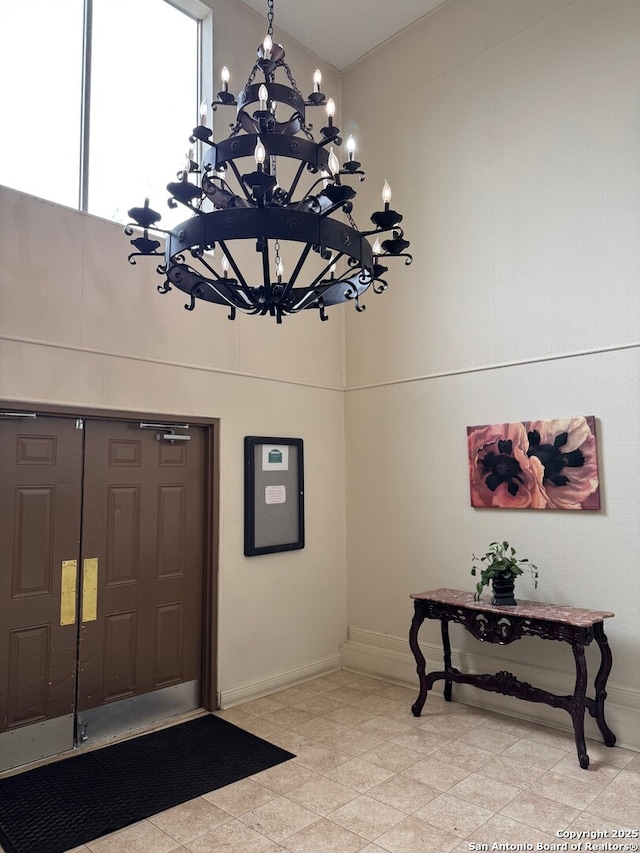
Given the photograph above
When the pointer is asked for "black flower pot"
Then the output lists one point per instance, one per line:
(503, 592)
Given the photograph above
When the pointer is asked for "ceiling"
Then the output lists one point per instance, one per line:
(342, 31)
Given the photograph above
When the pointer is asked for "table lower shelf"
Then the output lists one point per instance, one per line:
(508, 685)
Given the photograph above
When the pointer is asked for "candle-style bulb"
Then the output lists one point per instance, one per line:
(317, 80)
(279, 268)
(377, 248)
(203, 113)
(260, 152)
(351, 147)
(386, 193)
(267, 46)
(334, 163)
(225, 266)
(331, 108)
(225, 76)
(332, 268)
(263, 94)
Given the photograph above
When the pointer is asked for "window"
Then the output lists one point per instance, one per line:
(100, 129)
(40, 69)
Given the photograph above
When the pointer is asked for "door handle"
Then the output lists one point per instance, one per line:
(68, 592)
(90, 589)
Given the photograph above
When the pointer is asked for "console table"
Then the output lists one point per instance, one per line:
(504, 625)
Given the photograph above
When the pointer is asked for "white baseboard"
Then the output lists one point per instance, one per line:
(390, 658)
(257, 689)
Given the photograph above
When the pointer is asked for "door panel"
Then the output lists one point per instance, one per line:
(40, 507)
(143, 523)
(101, 581)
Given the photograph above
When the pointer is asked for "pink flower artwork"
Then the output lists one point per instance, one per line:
(534, 464)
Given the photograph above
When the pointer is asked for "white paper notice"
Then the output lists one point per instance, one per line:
(275, 494)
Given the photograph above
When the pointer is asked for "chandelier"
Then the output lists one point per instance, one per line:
(248, 187)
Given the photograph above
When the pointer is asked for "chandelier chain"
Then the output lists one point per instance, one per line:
(306, 128)
(235, 129)
(270, 17)
(351, 220)
(292, 80)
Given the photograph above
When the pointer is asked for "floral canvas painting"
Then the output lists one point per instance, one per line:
(534, 464)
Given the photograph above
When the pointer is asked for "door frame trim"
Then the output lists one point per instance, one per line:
(209, 675)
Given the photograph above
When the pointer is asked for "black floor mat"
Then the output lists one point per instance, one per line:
(62, 805)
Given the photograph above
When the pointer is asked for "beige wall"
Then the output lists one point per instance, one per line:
(81, 327)
(514, 130)
(509, 134)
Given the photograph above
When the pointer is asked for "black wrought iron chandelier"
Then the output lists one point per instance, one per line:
(204, 255)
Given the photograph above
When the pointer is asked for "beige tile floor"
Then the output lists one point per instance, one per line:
(368, 776)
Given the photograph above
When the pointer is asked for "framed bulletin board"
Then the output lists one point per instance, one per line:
(273, 495)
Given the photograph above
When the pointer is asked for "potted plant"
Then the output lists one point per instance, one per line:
(501, 566)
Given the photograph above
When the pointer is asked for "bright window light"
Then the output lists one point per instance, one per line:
(144, 104)
(143, 101)
(41, 73)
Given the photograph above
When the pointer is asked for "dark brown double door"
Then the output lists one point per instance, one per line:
(101, 580)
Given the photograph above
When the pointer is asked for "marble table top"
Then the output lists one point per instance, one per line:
(526, 609)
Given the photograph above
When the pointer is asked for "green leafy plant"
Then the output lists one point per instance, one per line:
(500, 561)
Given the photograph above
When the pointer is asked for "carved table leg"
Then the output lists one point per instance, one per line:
(578, 703)
(416, 622)
(446, 645)
(600, 683)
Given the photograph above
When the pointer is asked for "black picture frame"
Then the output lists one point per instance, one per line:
(273, 495)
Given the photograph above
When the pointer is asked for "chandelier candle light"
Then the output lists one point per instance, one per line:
(258, 208)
